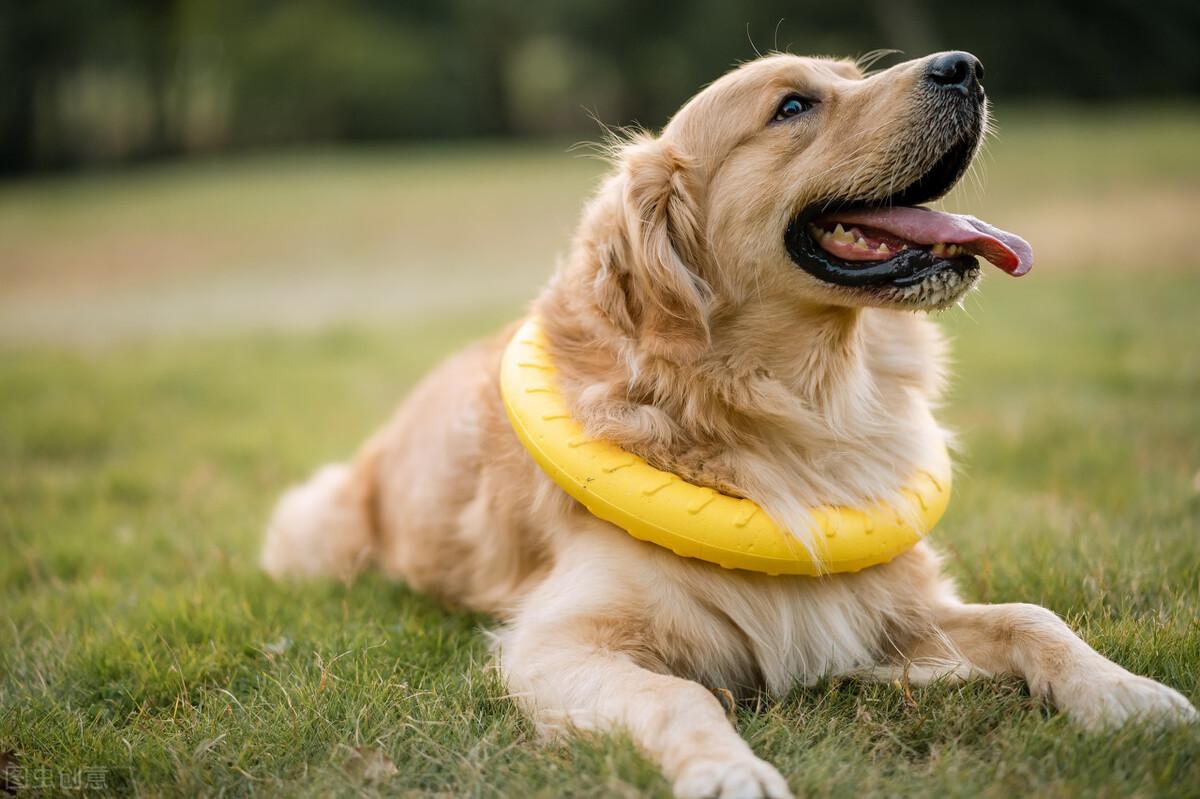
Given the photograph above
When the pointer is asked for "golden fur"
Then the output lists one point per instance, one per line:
(683, 333)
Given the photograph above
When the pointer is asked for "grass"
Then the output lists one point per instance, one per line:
(138, 458)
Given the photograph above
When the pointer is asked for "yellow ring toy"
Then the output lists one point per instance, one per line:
(690, 520)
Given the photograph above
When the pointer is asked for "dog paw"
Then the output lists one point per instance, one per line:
(1113, 698)
(741, 776)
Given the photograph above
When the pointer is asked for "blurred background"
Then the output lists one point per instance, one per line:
(89, 81)
(184, 164)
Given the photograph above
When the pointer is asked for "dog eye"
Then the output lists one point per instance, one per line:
(792, 105)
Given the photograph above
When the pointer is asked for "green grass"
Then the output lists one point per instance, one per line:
(136, 635)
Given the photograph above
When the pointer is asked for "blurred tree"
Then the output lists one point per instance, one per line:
(88, 80)
(157, 41)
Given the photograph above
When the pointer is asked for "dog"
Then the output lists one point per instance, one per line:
(744, 304)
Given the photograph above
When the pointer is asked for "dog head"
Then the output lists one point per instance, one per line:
(798, 179)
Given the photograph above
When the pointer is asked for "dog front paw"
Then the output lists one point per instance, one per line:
(730, 776)
(1112, 697)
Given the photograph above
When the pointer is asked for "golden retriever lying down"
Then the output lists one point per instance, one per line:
(743, 305)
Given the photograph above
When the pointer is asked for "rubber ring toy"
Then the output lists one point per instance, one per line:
(695, 521)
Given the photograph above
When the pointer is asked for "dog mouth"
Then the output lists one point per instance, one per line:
(897, 245)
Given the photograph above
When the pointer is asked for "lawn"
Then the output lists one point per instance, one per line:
(178, 343)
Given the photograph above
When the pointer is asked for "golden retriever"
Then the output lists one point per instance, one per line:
(743, 305)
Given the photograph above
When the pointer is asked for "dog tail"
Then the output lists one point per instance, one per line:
(323, 526)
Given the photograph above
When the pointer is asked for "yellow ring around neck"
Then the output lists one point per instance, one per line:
(693, 521)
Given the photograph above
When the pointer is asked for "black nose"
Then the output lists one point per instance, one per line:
(957, 70)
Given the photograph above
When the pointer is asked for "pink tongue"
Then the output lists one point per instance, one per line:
(1006, 250)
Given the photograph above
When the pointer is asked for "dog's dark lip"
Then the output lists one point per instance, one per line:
(904, 269)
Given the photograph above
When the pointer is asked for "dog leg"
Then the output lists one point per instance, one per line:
(1032, 643)
(571, 676)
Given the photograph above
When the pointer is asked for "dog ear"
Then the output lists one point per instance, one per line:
(655, 265)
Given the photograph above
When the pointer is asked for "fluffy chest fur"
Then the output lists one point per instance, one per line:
(839, 411)
(836, 409)
(726, 628)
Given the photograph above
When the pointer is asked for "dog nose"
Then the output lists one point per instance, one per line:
(956, 70)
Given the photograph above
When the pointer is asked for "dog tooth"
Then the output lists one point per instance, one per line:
(938, 249)
(860, 244)
(882, 248)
